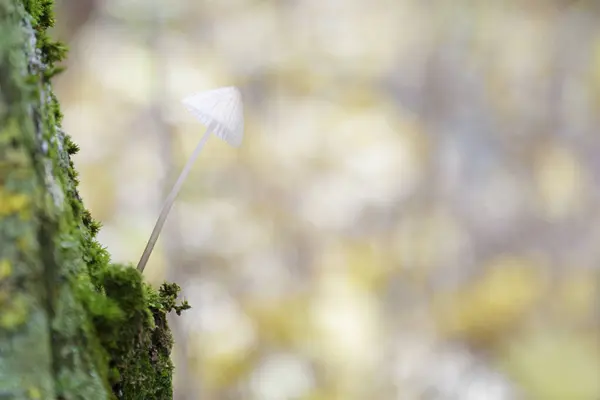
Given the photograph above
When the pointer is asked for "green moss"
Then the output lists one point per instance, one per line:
(14, 312)
(5, 269)
(72, 147)
(11, 203)
(34, 393)
(42, 12)
(78, 326)
(138, 340)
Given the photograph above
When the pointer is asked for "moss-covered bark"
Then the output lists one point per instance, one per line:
(72, 324)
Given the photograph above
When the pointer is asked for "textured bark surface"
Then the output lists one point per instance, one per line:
(72, 324)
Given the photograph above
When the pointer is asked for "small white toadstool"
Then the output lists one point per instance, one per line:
(221, 111)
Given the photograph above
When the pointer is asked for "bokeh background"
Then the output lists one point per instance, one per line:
(414, 212)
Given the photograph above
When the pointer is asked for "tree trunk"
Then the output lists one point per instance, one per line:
(72, 324)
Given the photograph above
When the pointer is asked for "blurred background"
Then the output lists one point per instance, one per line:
(414, 212)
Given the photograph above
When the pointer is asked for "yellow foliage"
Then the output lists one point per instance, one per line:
(223, 370)
(320, 395)
(368, 265)
(552, 364)
(428, 240)
(492, 305)
(561, 181)
(577, 296)
(595, 71)
(283, 322)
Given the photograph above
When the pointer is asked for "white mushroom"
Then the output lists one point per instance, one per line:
(222, 112)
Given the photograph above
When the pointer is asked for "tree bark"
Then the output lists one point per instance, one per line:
(72, 324)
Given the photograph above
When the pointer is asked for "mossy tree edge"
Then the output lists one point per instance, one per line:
(73, 325)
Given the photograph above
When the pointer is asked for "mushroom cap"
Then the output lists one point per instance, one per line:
(221, 111)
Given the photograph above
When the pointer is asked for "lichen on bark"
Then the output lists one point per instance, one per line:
(73, 325)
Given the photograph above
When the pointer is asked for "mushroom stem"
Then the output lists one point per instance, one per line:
(160, 222)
